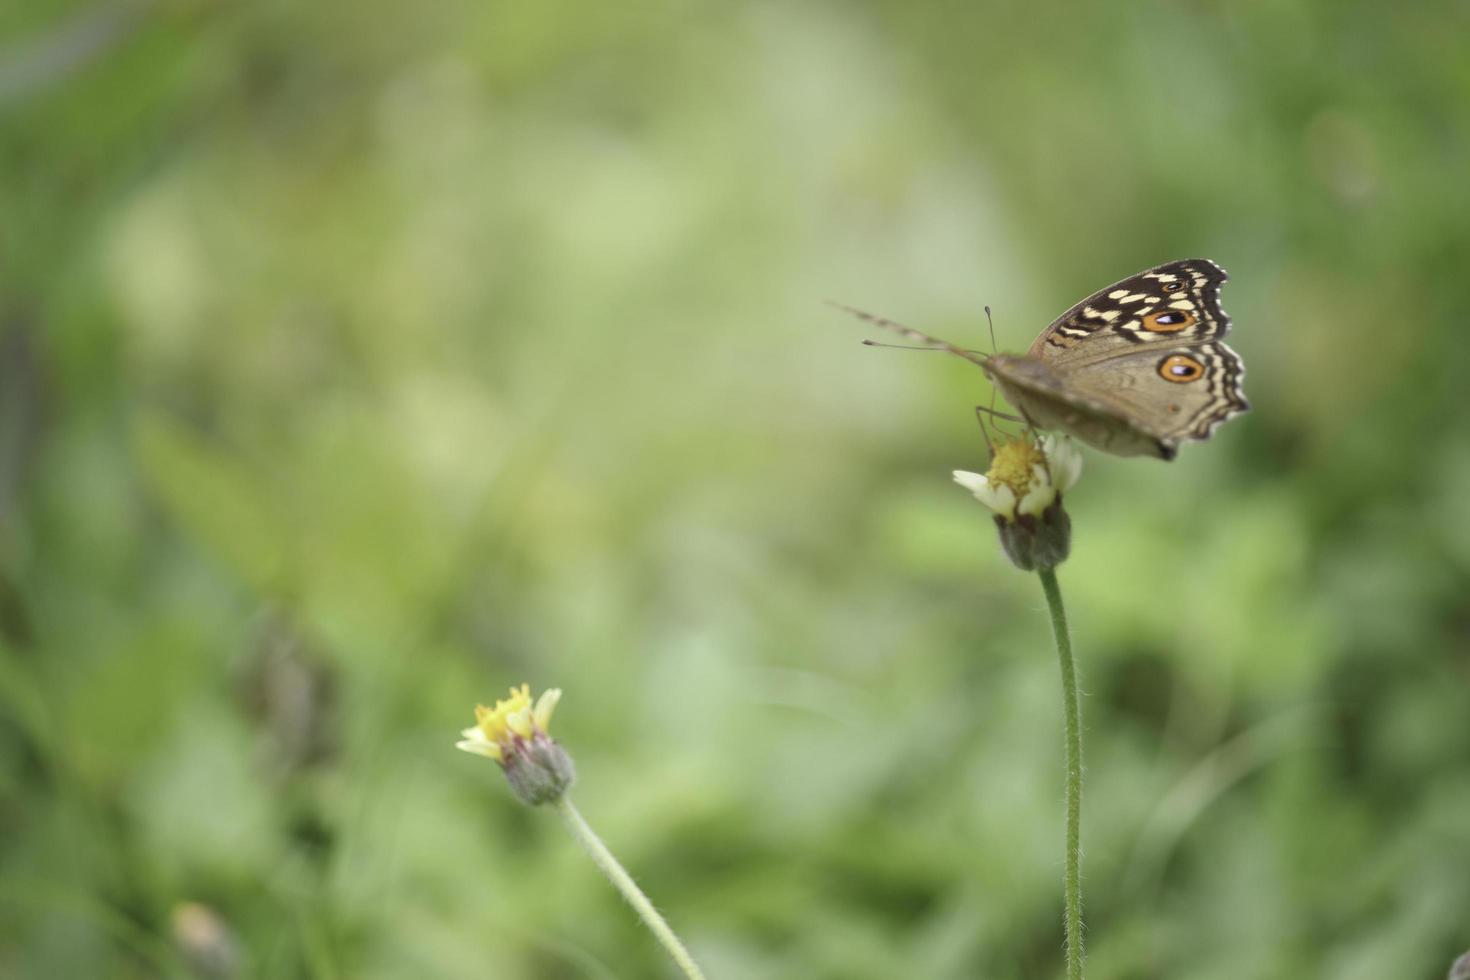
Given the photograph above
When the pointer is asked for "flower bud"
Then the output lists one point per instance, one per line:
(1037, 542)
(514, 734)
(539, 770)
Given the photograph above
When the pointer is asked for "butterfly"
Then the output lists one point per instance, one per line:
(1134, 369)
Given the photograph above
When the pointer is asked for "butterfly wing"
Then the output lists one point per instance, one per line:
(1143, 401)
(1166, 306)
(1136, 368)
(1173, 393)
(1133, 369)
(1046, 401)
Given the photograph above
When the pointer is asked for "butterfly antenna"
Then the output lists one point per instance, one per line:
(912, 334)
(941, 350)
(993, 349)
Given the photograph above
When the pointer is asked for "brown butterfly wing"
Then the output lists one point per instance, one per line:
(1172, 394)
(1136, 368)
(1140, 402)
(1097, 417)
(1166, 306)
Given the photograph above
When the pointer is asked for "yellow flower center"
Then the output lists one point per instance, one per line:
(500, 731)
(510, 715)
(1015, 465)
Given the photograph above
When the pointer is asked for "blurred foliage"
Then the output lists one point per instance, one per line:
(360, 360)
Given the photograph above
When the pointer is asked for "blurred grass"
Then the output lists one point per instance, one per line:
(358, 361)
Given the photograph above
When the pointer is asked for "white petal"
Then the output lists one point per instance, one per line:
(1000, 499)
(545, 705)
(973, 482)
(480, 746)
(1037, 499)
(1065, 461)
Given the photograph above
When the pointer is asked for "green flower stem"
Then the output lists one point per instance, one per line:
(1072, 712)
(624, 883)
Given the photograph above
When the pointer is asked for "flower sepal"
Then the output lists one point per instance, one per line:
(1037, 542)
(541, 772)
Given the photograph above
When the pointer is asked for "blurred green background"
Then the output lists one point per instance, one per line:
(358, 360)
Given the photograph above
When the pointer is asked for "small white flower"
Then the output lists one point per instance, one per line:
(1025, 477)
(1023, 489)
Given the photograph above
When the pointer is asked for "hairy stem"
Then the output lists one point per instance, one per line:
(624, 883)
(1072, 714)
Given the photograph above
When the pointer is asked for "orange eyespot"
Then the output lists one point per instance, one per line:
(1180, 368)
(1168, 321)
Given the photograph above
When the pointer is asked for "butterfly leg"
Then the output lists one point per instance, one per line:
(980, 411)
(1032, 429)
(983, 410)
